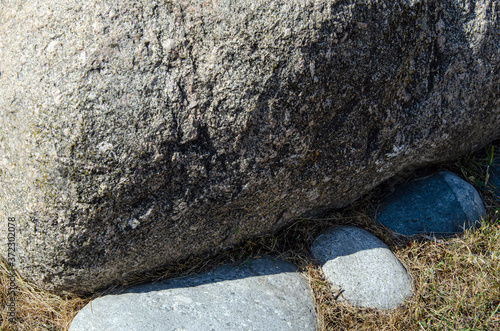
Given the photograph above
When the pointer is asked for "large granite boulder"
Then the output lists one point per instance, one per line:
(138, 133)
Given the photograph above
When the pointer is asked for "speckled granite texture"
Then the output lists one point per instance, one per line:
(139, 133)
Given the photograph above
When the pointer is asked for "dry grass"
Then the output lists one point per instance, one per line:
(35, 309)
(457, 280)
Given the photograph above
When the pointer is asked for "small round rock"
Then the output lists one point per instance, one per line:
(363, 267)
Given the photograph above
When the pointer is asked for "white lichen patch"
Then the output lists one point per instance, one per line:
(396, 150)
(104, 147)
(133, 223)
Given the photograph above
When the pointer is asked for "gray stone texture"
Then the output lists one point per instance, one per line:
(139, 133)
(363, 267)
(441, 205)
(261, 294)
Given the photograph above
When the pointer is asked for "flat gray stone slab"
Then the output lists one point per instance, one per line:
(363, 267)
(261, 294)
(442, 205)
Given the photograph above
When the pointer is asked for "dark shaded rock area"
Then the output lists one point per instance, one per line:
(139, 133)
(494, 178)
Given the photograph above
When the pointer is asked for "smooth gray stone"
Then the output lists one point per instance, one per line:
(261, 294)
(363, 267)
(441, 205)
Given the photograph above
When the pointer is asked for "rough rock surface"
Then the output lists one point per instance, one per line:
(138, 133)
(443, 204)
(261, 294)
(363, 267)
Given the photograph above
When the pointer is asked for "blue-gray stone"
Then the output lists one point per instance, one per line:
(494, 178)
(261, 294)
(440, 205)
(363, 267)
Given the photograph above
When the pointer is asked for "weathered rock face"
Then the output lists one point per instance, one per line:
(137, 133)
